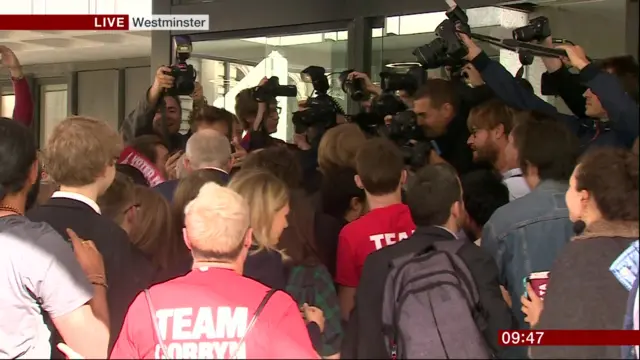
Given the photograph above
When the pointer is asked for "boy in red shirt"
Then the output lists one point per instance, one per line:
(381, 174)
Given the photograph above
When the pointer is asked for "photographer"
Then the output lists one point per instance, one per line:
(258, 119)
(443, 118)
(607, 100)
(572, 91)
(146, 119)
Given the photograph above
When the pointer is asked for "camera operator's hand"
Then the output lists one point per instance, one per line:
(576, 55)
(474, 49)
(10, 61)
(473, 77)
(552, 64)
(161, 82)
(262, 109)
(368, 84)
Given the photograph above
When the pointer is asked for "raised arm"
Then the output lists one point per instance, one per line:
(23, 108)
(140, 120)
(568, 86)
(507, 89)
(622, 110)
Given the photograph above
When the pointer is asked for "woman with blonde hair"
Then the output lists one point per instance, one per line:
(268, 200)
(339, 146)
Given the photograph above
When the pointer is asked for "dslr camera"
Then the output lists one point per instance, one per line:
(184, 75)
(538, 29)
(355, 88)
(445, 50)
(320, 108)
(388, 103)
(272, 89)
(405, 132)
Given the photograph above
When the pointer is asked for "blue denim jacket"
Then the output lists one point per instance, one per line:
(526, 235)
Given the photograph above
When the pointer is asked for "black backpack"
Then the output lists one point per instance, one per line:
(431, 307)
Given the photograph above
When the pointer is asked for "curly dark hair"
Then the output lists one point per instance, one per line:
(611, 177)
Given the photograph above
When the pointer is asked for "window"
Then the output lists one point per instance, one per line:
(227, 66)
(54, 108)
(7, 105)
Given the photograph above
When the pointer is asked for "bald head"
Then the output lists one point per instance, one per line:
(217, 224)
(208, 149)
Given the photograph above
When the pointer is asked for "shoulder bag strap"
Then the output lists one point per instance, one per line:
(156, 329)
(263, 303)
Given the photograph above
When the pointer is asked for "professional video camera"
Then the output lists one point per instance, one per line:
(184, 75)
(538, 29)
(272, 89)
(320, 110)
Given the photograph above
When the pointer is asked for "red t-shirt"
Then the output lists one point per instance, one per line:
(371, 232)
(204, 314)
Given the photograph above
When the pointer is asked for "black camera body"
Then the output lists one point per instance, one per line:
(320, 110)
(408, 82)
(272, 89)
(538, 29)
(355, 88)
(446, 50)
(184, 75)
(405, 132)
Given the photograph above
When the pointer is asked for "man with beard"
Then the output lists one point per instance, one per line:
(490, 124)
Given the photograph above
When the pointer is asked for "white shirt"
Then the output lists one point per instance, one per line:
(449, 231)
(77, 197)
(214, 168)
(515, 183)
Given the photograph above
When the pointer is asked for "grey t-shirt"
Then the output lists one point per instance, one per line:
(38, 273)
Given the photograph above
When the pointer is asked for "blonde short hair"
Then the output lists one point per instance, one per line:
(339, 146)
(216, 223)
(266, 195)
(79, 149)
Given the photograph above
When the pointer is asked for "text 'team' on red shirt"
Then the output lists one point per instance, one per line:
(204, 314)
(373, 231)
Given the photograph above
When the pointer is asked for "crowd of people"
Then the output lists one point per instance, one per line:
(223, 242)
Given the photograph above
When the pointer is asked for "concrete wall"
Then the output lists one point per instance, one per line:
(599, 27)
(103, 89)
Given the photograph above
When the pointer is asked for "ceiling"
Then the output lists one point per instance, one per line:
(42, 47)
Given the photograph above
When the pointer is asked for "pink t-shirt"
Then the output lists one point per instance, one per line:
(205, 313)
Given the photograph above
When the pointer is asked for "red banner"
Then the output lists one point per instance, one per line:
(131, 157)
(64, 22)
(569, 337)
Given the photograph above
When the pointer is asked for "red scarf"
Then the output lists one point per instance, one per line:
(131, 157)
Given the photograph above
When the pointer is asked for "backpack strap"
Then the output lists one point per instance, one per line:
(256, 314)
(156, 329)
(451, 248)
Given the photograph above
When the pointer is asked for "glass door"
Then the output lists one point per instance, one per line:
(225, 67)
